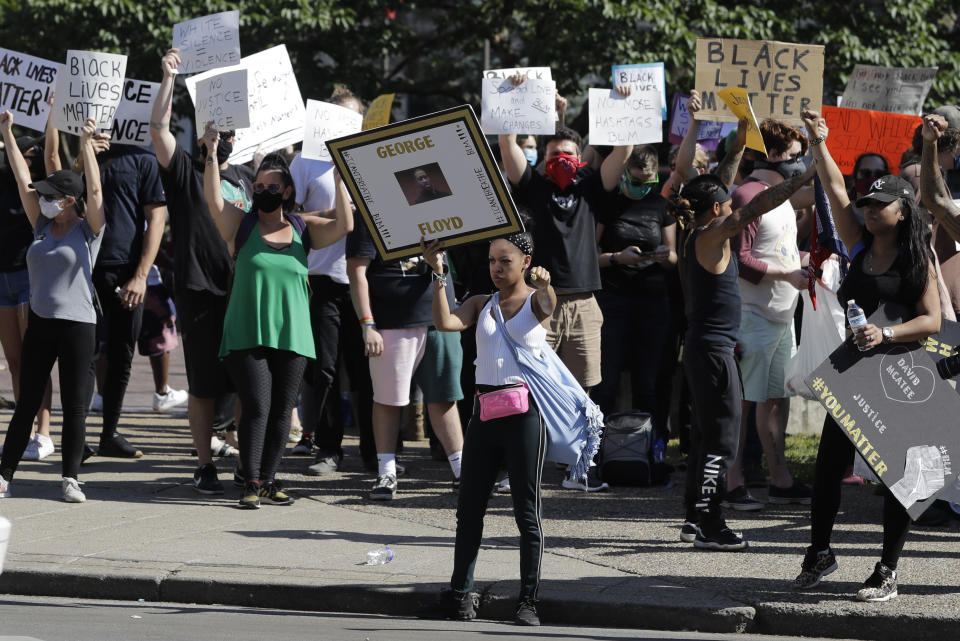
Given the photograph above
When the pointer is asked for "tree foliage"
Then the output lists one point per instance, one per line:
(433, 50)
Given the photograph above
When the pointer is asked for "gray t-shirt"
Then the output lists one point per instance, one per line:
(61, 270)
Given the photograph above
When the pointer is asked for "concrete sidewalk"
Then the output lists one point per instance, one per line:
(611, 559)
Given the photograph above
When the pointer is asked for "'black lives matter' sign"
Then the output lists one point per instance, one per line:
(891, 404)
(781, 78)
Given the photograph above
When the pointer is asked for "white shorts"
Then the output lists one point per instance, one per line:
(766, 349)
(392, 372)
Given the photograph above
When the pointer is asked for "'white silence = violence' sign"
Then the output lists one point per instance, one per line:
(209, 42)
(325, 121)
(131, 125)
(90, 86)
(25, 86)
(273, 99)
(634, 120)
(897, 90)
(527, 108)
(223, 99)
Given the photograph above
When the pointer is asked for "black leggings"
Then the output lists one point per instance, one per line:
(521, 441)
(835, 454)
(268, 382)
(71, 345)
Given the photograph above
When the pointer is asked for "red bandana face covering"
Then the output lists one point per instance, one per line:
(562, 169)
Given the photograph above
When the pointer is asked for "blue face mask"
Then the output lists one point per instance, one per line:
(531, 155)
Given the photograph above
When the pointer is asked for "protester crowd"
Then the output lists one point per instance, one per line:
(632, 256)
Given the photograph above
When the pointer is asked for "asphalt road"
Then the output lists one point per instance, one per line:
(49, 619)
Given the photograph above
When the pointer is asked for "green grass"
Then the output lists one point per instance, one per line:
(801, 452)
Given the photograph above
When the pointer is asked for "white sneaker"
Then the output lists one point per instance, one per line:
(45, 446)
(588, 484)
(71, 491)
(32, 453)
(4, 488)
(169, 399)
(96, 405)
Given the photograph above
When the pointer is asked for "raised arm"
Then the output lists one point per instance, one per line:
(685, 171)
(444, 319)
(615, 164)
(91, 173)
(513, 159)
(226, 216)
(727, 169)
(164, 144)
(360, 294)
(18, 165)
(51, 141)
(933, 190)
(326, 231)
(831, 178)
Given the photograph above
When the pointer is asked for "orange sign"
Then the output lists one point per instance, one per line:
(859, 131)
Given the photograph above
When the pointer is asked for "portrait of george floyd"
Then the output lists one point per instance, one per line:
(423, 183)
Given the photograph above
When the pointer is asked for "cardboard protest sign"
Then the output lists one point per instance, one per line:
(876, 397)
(90, 86)
(432, 176)
(378, 113)
(26, 83)
(527, 108)
(634, 120)
(642, 77)
(275, 108)
(325, 122)
(680, 121)
(223, 99)
(131, 125)
(894, 89)
(209, 42)
(781, 78)
(857, 131)
(738, 102)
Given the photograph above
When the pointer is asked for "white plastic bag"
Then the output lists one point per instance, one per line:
(822, 331)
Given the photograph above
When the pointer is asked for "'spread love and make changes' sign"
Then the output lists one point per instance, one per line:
(90, 86)
(527, 108)
(430, 177)
(781, 78)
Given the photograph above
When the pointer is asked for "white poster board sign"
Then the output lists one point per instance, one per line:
(131, 125)
(325, 122)
(432, 177)
(90, 86)
(894, 89)
(634, 120)
(208, 43)
(536, 73)
(643, 76)
(26, 83)
(527, 108)
(276, 110)
(223, 99)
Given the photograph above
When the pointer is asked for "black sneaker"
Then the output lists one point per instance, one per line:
(715, 535)
(689, 532)
(881, 586)
(87, 453)
(816, 565)
(304, 447)
(251, 496)
(526, 613)
(799, 493)
(385, 488)
(456, 606)
(205, 480)
(115, 446)
(741, 500)
(272, 492)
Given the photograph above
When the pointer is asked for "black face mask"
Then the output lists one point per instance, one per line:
(790, 168)
(224, 149)
(265, 201)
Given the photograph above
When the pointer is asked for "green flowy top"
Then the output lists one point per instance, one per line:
(270, 300)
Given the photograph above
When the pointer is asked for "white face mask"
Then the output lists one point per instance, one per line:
(51, 208)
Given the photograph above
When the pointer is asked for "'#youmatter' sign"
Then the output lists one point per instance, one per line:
(430, 177)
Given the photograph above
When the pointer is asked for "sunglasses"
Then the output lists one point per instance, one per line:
(634, 182)
(272, 189)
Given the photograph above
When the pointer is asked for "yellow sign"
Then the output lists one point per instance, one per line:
(378, 113)
(738, 102)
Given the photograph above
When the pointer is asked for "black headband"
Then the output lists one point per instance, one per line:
(520, 240)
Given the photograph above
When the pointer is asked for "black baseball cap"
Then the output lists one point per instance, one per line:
(28, 142)
(65, 182)
(888, 189)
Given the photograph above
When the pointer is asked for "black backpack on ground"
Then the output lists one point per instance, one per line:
(627, 451)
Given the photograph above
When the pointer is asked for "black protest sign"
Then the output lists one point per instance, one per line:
(899, 415)
(25, 86)
(781, 78)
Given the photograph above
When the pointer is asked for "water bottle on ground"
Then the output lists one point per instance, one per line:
(380, 556)
(855, 317)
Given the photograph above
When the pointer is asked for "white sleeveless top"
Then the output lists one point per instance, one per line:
(496, 364)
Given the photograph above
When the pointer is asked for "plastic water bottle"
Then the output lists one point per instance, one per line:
(855, 317)
(380, 556)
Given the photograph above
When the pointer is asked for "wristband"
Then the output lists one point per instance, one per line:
(367, 320)
(818, 140)
(439, 278)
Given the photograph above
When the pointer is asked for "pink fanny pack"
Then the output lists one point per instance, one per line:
(504, 402)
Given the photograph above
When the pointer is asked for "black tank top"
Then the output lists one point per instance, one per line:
(712, 301)
(869, 290)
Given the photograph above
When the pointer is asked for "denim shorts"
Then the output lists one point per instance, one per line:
(14, 288)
